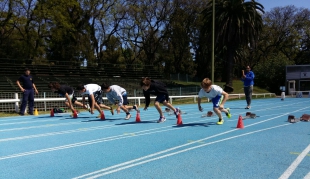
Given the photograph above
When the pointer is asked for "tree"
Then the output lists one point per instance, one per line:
(237, 24)
(144, 26)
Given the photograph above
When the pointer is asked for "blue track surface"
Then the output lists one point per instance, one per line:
(39, 147)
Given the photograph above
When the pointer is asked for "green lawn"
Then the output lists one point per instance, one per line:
(237, 85)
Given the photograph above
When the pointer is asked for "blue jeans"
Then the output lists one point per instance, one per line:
(248, 94)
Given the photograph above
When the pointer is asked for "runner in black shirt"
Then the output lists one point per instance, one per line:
(67, 92)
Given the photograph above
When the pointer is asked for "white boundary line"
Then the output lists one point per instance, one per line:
(121, 137)
(288, 172)
(164, 156)
(97, 128)
(307, 176)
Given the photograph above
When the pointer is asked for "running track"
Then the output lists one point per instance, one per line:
(46, 147)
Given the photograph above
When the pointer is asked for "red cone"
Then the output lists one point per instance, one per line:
(75, 114)
(240, 123)
(138, 119)
(52, 113)
(179, 122)
(102, 117)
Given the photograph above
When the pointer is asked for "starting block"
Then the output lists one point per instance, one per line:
(305, 117)
(209, 114)
(292, 119)
(172, 113)
(249, 115)
(167, 110)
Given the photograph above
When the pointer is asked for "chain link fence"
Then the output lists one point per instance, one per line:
(45, 106)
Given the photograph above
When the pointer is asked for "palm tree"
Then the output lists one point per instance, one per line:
(237, 24)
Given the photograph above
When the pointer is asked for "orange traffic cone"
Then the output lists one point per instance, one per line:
(240, 122)
(75, 114)
(52, 113)
(179, 122)
(138, 119)
(102, 117)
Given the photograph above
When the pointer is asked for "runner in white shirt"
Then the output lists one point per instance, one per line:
(118, 95)
(94, 93)
(217, 96)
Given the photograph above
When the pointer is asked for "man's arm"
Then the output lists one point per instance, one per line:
(147, 99)
(199, 102)
(93, 101)
(69, 101)
(226, 95)
(20, 86)
(35, 88)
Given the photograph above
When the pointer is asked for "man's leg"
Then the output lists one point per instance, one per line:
(249, 98)
(31, 101)
(246, 93)
(24, 102)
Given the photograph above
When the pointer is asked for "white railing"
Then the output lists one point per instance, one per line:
(16, 100)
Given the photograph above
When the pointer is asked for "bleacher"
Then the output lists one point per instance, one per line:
(43, 74)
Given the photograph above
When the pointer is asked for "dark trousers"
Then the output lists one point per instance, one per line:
(248, 94)
(28, 96)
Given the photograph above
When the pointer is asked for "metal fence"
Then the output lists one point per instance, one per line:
(10, 102)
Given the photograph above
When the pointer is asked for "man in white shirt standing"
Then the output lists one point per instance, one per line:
(218, 97)
(118, 95)
(94, 93)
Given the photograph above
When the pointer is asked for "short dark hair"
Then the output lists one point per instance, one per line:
(145, 81)
(54, 85)
(27, 69)
(80, 87)
(105, 86)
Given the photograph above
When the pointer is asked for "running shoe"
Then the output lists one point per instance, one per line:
(228, 114)
(220, 122)
(161, 119)
(128, 116)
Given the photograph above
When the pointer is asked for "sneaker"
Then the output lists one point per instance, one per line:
(128, 116)
(248, 107)
(177, 112)
(220, 122)
(135, 107)
(161, 119)
(111, 110)
(228, 113)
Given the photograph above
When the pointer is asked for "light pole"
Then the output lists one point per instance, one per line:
(213, 24)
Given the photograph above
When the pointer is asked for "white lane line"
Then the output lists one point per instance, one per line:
(118, 137)
(92, 129)
(81, 144)
(288, 172)
(173, 148)
(41, 126)
(168, 155)
(307, 176)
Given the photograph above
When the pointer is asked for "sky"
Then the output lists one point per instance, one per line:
(269, 4)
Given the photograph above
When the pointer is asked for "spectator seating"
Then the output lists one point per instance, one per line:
(43, 74)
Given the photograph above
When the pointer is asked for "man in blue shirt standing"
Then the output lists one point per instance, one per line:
(248, 82)
(28, 88)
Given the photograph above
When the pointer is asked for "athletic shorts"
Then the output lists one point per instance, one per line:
(161, 98)
(97, 96)
(217, 101)
(125, 99)
(72, 97)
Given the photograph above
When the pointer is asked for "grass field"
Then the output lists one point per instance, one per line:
(237, 85)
